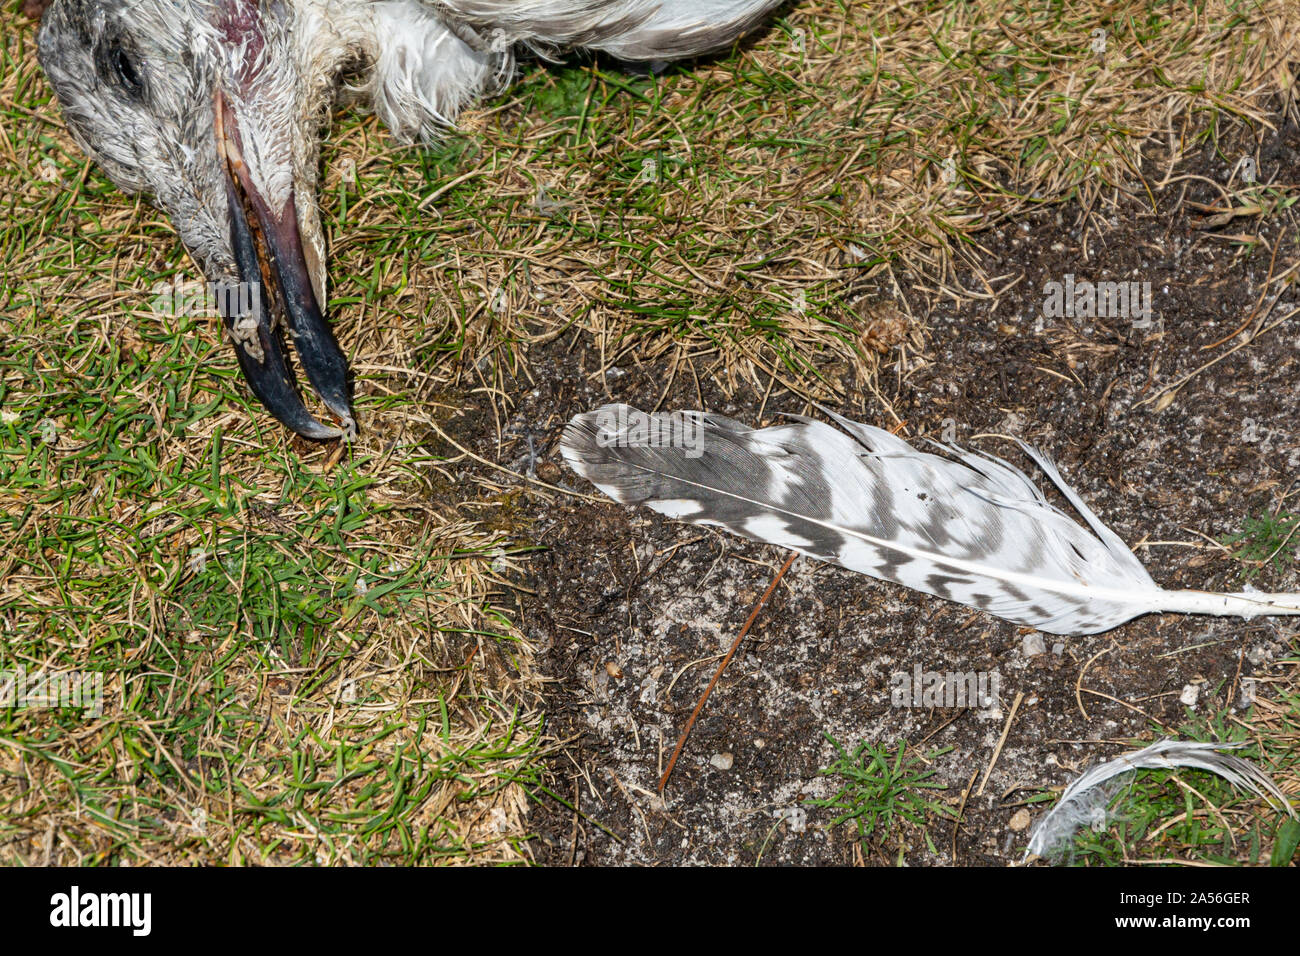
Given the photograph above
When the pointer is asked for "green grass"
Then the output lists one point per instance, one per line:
(879, 791)
(1268, 540)
(274, 662)
(293, 651)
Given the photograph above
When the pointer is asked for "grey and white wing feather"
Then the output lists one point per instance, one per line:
(966, 527)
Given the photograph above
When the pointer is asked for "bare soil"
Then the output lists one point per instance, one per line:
(630, 612)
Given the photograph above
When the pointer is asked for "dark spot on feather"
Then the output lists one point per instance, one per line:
(1015, 593)
(889, 563)
(940, 584)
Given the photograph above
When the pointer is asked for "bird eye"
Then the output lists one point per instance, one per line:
(125, 69)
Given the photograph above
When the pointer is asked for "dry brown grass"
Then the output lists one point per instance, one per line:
(787, 174)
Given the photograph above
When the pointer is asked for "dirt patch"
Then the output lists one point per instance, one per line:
(630, 612)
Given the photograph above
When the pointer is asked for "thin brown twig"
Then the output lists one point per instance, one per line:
(956, 823)
(997, 751)
(1263, 292)
(1176, 387)
(1078, 684)
(735, 645)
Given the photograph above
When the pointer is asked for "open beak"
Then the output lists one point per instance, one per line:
(275, 288)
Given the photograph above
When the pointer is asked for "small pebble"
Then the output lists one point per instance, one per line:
(1189, 695)
(723, 761)
(1247, 691)
(795, 817)
(1019, 820)
(1033, 645)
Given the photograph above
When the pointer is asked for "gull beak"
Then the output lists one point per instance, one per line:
(275, 289)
